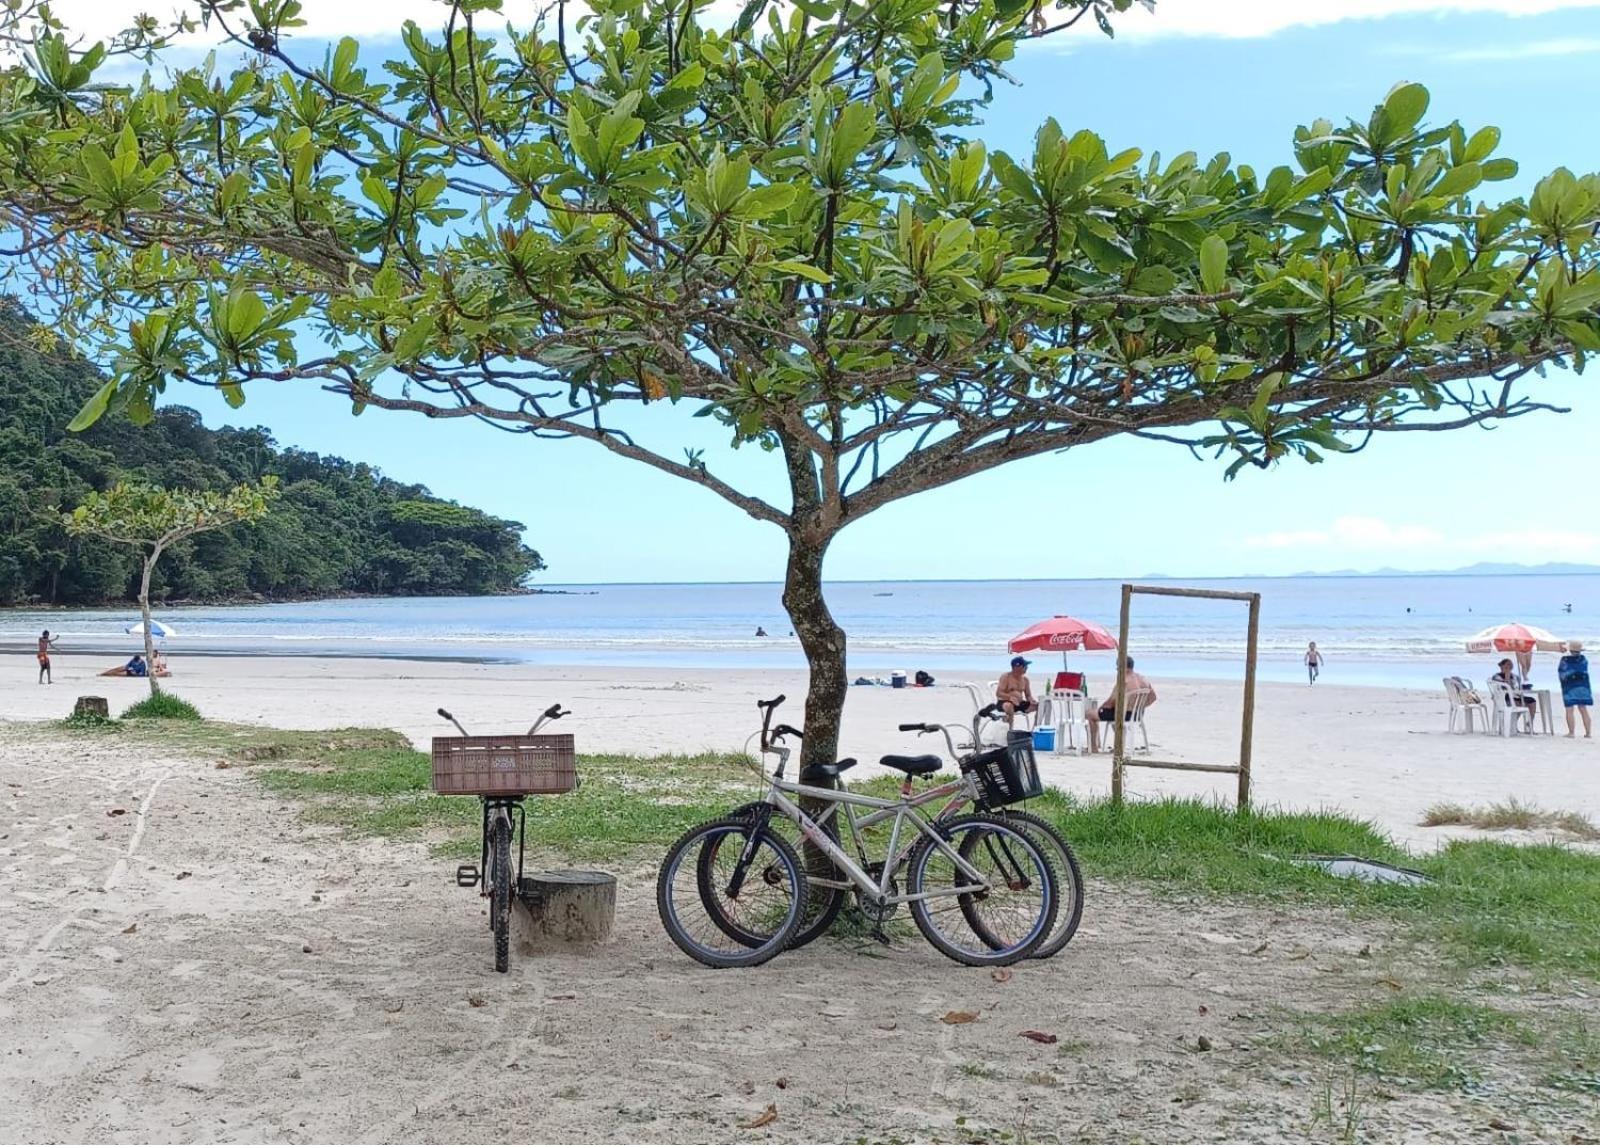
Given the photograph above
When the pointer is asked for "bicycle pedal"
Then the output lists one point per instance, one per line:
(467, 875)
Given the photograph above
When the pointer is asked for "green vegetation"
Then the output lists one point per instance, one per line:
(1512, 815)
(339, 527)
(162, 706)
(1422, 1042)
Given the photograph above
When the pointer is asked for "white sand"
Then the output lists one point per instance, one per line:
(1378, 753)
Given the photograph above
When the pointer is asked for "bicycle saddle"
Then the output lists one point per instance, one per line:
(913, 764)
(819, 772)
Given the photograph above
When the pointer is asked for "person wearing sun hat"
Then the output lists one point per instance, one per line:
(1576, 695)
(1013, 692)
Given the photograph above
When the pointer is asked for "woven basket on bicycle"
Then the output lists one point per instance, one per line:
(1006, 774)
(504, 765)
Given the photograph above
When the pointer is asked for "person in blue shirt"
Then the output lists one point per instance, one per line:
(136, 666)
(1576, 695)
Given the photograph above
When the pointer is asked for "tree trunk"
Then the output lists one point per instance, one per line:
(823, 641)
(144, 611)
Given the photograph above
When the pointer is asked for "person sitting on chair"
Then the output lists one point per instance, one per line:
(136, 666)
(1014, 693)
(1518, 686)
(1136, 686)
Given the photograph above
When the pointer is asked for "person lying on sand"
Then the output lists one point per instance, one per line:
(1135, 686)
(1013, 692)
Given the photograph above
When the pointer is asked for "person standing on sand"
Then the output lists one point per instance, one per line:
(1313, 660)
(1576, 695)
(45, 644)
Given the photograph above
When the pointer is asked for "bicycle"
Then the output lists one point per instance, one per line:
(502, 771)
(829, 890)
(991, 865)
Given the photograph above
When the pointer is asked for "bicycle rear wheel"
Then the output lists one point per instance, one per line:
(823, 902)
(1069, 878)
(1015, 904)
(500, 891)
(750, 884)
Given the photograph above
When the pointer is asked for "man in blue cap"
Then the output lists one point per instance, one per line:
(1013, 692)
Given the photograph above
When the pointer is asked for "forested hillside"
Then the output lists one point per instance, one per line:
(341, 527)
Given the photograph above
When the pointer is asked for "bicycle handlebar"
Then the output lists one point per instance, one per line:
(771, 703)
(785, 730)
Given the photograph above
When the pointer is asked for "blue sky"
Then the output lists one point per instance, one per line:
(1202, 75)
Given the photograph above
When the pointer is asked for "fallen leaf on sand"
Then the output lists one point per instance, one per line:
(117, 811)
(1260, 948)
(888, 1025)
(306, 949)
(1205, 1009)
(1391, 983)
(1000, 974)
(765, 1117)
(130, 929)
(782, 1083)
(222, 763)
(477, 1001)
(183, 874)
(1039, 1036)
(1203, 1043)
(1503, 1126)
(959, 1017)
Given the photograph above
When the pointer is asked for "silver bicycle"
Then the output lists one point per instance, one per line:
(733, 892)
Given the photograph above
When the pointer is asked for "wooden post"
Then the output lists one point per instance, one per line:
(572, 908)
(1119, 733)
(1247, 730)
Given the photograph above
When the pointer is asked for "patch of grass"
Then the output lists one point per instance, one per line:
(162, 706)
(978, 1070)
(1427, 1042)
(1512, 815)
(89, 722)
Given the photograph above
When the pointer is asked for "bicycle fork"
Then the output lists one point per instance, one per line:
(752, 844)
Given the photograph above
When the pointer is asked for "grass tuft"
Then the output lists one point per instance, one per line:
(1512, 815)
(89, 722)
(162, 706)
(1426, 1042)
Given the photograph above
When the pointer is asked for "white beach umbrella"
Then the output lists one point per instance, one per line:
(157, 629)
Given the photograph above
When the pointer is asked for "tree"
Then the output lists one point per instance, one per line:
(595, 227)
(153, 519)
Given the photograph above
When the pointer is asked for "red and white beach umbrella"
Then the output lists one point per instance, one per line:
(1513, 638)
(1063, 634)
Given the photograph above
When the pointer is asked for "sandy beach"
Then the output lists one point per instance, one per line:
(1382, 754)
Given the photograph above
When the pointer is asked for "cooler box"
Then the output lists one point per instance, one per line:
(1044, 739)
(897, 679)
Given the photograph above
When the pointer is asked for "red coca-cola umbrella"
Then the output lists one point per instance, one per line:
(1063, 634)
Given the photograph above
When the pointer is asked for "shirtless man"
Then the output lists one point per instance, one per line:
(45, 644)
(1106, 713)
(1013, 692)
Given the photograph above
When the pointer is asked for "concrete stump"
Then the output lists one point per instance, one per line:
(565, 908)
(92, 706)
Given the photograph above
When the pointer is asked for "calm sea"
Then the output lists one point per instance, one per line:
(1372, 630)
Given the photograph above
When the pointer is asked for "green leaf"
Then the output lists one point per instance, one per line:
(804, 270)
(1214, 264)
(1405, 107)
(93, 408)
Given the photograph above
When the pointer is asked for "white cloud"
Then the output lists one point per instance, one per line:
(1370, 533)
(1548, 544)
(1243, 19)
(1223, 18)
(1532, 50)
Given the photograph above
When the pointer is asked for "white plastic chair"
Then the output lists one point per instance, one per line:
(1133, 717)
(1067, 712)
(1507, 712)
(1463, 704)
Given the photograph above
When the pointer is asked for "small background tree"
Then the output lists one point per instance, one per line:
(153, 519)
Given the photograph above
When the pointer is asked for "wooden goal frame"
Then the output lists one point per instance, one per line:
(1119, 759)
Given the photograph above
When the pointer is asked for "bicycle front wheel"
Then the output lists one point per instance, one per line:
(500, 892)
(730, 897)
(994, 905)
(1063, 862)
(823, 901)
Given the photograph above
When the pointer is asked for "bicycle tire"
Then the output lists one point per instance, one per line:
(966, 832)
(782, 859)
(823, 903)
(500, 894)
(1069, 878)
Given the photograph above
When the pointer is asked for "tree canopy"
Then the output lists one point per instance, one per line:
(340, 527)
(788, 224)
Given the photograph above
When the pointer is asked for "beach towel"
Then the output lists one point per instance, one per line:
(1573, 672)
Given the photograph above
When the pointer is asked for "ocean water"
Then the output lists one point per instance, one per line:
(1392, 631)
